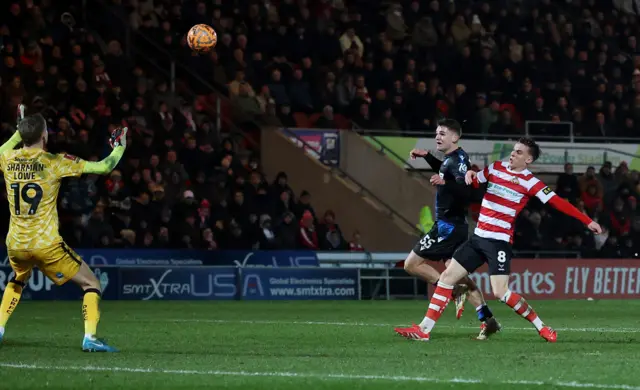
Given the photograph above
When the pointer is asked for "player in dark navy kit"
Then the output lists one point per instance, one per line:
(450, 229)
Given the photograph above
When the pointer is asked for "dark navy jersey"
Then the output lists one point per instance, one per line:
(452, 198)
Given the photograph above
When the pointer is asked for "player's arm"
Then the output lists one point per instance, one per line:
(430, 158)
(11, 142)
(105, 166)
(477, 178)
(118, 142)
(433, 161)
(547, 196)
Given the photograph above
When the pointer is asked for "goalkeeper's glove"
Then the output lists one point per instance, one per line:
(21, 109)
(119, 137)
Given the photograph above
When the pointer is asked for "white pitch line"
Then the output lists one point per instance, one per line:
(326, 376)
(338, 323)
(365, 324)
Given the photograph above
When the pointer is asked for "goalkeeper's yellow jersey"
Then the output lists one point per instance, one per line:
(32, 178)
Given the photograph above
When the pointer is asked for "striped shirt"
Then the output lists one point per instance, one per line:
(507, 194)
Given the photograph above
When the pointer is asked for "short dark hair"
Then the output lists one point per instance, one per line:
(31, 129)
(534, 148)
(452, 125)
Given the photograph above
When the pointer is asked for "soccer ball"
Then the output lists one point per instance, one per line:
(202, 38)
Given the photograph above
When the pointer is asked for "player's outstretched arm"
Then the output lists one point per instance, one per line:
(433, 161)
(118, 141)
(567, 208)
(547, 196)
(11, 142)
(430, 158)
(477, 178)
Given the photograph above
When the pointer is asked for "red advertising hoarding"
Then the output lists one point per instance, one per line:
(569, 278)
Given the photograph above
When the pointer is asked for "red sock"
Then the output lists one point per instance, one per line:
(520, 306)
(439, 301)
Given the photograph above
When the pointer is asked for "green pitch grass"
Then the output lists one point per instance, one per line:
(319, 345)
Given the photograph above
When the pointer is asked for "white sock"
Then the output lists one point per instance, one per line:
(1, 330)
(427, 324)
(537, 322)
(89, 336)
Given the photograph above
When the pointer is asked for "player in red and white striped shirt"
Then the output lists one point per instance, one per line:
(509, 188)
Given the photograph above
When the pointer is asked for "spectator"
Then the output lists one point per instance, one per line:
(329, 233)
(354, 244)
(349, 41)
(395, 23)
(592, 201)
(611, 249)
(326, 120)
(589, 179)
(300, 93)
(245, 107)
(304, 205)
(567, 185)
(307, 233)
(608, 182)
(287, 232)
(619, 222)
(267, 235)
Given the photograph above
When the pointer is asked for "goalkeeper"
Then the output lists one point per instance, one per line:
(33, 179)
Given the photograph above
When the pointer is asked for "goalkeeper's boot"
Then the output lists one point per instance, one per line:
(413, 333)
(489, 327)
(548, 334)
(96, 345)
(460, 295)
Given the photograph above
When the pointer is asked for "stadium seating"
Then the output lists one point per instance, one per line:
(185, 181)
(299, 63)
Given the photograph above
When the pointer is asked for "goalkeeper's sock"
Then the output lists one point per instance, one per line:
(521, 307)
(10, 300)
(91, 312)
(439, 300)
(483, 312)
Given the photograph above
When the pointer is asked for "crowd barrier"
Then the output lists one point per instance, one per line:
(291, 275)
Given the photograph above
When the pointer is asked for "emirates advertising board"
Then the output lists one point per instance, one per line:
(570, 278)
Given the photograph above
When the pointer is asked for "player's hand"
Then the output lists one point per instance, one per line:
(595, 227)
(415, 153)
(436, 180)
(21, 110)
(470, 177)
(119, 137)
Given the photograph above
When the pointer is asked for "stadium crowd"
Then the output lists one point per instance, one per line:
(609, 196)
(390, 65)
(182, 184)
(399, 65)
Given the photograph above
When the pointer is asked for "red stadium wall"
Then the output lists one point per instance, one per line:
(566, 278)
(570, 278)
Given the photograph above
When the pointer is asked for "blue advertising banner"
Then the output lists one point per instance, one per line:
(141, 257)
(189, 283)
(202, 283)
(216, 283)
(301, 284)
(40, 287)
(323, 145)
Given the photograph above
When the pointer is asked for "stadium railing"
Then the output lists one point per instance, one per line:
(364, 191)
(382, 277)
